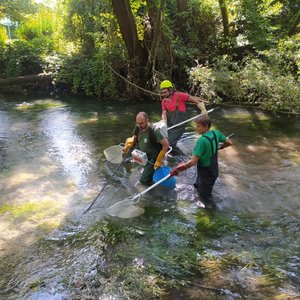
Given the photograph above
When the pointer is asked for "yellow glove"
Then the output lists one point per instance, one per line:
(129, 144)
(202, 108)
(159, 159)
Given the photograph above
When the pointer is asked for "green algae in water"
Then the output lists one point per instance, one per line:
(38, 105)
(27, 209)
(148, 268)
(142, 275)
(107, 120)
(211, 224)
(47, 227)
(247, 117)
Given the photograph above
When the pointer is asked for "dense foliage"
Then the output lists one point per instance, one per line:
(243, 51)
(269, 79)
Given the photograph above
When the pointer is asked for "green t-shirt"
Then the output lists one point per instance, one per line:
(145, 143)
(203, 148)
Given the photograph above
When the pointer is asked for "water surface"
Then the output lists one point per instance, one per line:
(52, 168)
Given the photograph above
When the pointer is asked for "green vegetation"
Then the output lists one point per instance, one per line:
(29, 210)
(270, 83)
(244, 52)
(171, 252)
(161, 259)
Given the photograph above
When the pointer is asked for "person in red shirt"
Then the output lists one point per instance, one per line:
(174, 110)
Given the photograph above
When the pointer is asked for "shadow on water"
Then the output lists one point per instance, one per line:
(52, 167)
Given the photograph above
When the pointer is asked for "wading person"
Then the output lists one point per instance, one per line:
(152, 142)
(174, 110)
(205, 156)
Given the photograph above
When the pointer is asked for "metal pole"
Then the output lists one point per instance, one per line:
(188, 120)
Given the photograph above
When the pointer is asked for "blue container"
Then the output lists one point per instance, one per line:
(162, 172)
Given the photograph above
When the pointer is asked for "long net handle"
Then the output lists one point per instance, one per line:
(119, 166)
(151, 187)
(190, 119)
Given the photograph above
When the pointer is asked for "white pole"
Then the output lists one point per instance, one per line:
(9, 34)
(188, 120)
(151, 187)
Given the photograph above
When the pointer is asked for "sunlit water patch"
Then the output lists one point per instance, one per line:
(66, 146)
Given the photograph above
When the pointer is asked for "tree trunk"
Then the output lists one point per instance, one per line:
(128, 28)
(156, 17)
(153, 36)
(224, 13)
(136, 53)
(34, 79)
(182, 7)
(293, 29)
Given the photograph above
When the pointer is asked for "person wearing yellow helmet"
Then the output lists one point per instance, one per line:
(174, 110)
(166, 84)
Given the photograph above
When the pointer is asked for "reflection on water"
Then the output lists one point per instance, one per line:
(4, 133)
(66, 146)
(52, 167)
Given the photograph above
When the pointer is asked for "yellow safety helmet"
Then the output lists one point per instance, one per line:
(166, 84)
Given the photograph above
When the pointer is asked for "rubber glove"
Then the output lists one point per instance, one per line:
(202, 108)
(129, 144)
(175, 171)
(159, 159)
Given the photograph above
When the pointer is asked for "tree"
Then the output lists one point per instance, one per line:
(141, 52)
(122, 10)
(82, 23)
(16, 10)
(182, 8)
(293, 29)
(224, 14)
(155, 17)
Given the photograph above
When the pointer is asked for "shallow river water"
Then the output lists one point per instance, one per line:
(52, 167)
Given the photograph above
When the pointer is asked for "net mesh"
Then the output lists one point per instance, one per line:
(122, 206)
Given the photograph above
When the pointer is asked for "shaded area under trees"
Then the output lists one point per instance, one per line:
(81, 41)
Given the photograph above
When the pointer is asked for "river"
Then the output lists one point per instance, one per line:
(52, 167)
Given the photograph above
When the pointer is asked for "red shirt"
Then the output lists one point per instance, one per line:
(169, 104)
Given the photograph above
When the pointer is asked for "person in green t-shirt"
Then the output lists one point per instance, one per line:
(152, 142)
(205, 155)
